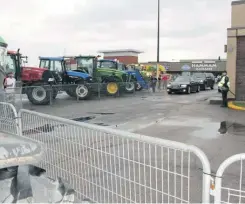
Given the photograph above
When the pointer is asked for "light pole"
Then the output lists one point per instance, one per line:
(158, 30)
(158, 35)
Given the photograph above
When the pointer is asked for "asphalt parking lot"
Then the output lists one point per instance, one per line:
(183, 118)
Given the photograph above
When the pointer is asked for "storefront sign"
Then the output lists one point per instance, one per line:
(204, 66)
(186, 67)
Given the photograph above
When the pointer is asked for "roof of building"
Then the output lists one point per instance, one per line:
(194, 60)
(120, 50)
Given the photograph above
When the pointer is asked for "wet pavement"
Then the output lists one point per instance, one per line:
(190, 119)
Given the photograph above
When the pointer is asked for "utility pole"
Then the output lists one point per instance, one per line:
(158, 35)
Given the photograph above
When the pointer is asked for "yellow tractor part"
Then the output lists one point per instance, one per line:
(112, 88)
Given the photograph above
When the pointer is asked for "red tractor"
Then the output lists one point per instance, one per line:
(36, 82)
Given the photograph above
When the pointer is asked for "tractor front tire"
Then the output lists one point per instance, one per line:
(39, 94)
(130, 87)
(82, 91)
(112, 88)
(138, 87)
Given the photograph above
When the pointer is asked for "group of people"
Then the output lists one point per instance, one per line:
(160, 82)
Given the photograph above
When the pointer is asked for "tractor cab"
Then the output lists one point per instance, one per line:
(14, 63)
(111, 64)
(86, 64)
(55, 65)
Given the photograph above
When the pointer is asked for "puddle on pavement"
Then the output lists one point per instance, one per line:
(101, 124)
(232, 128)
(102, 113)
(84, 119)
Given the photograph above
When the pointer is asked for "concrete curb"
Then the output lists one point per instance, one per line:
(235, 107)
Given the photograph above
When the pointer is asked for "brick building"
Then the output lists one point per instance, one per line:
(126, 56)
(236, 50)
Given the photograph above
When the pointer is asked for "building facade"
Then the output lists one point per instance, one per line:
(202, 65)
(236, 51)
(126, 56)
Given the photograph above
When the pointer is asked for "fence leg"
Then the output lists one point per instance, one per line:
(217, 192)
(206, 188)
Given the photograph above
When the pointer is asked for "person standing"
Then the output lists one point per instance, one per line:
(165, 81)
(153, 81)
(159, 82)
(9, 86)
(224, 85)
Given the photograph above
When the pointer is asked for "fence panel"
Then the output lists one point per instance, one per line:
(9, 122)
(230, 188)
(111, 166)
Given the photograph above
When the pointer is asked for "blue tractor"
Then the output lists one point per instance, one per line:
(79, 81)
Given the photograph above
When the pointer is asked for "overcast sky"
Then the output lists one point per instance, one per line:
(189, 28)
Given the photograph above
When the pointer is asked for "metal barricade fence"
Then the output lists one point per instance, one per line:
(111, 166)
(230, 190)
(9, 122)
(12, 96)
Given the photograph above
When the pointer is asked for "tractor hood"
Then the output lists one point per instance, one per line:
(78, 74)
(108, 70)
(32, 73)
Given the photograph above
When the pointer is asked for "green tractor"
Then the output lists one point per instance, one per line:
(84, 76)
(131, 84)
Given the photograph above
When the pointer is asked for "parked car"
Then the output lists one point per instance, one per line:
(183, 84)
(206, 80)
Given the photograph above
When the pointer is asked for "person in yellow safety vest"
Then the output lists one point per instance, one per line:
(224, 86)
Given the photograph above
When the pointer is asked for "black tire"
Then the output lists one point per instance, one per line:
(112, 88)
(138, 87)
(198, 89)
(130, 87)
(169, 92)
(188, 90)
(40, 90)
(205, 87)
(212, 87)
(82, 91)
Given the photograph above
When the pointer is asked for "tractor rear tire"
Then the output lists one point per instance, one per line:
(38, 94)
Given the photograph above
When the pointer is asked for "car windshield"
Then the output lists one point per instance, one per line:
(107, 64)
(182, 79)
(86, 64)
(199, 75)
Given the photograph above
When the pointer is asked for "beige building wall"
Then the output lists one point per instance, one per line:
(236, 30)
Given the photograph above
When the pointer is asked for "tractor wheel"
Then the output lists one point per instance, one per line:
(138, 87)
(82, 91)
(112, 88)
(130, 87)
(38, 94)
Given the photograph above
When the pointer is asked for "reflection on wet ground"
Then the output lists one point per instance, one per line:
(205, 128)
(232, 128)
(83, 119)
